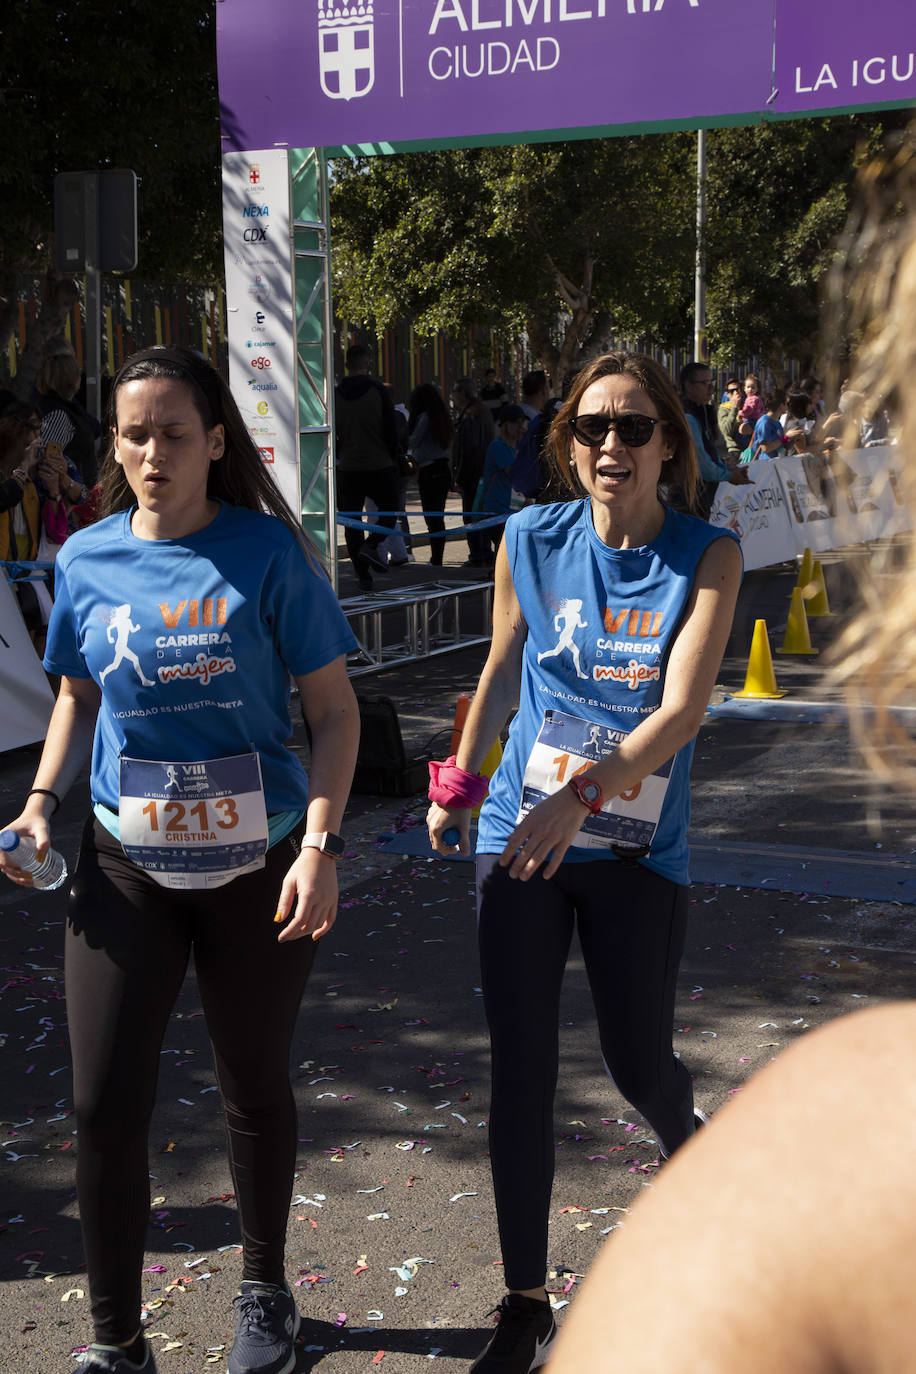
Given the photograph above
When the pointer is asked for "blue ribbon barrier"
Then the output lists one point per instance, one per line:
(487, 519)
(24, 570)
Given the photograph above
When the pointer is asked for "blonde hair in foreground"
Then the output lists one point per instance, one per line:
(872, 298)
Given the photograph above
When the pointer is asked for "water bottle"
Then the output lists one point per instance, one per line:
(452, 836)
(48, 873)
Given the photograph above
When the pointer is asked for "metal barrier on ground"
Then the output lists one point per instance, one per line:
(397, 627)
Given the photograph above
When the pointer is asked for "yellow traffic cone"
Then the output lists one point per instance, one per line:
(816, 592)
(804, 571)
(797, 640)
(760, 680)
(490, 765)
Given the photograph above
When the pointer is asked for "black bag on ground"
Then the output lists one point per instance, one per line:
(382, 767)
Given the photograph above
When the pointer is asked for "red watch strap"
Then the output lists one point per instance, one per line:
(579, 784)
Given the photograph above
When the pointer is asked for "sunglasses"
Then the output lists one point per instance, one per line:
(632, 430)
(736, 390)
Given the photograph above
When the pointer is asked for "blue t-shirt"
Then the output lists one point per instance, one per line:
(192, 642)
(497, 486)
(766, 430)
(602, 622)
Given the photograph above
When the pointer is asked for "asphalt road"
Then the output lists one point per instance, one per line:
(392, 1239)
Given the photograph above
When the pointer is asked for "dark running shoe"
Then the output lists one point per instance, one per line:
(521, 1341)
(363, 574)
(265, 1335)
(112, 1359)
(373, 558)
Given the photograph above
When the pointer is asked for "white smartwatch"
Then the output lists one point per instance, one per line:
(326, 842)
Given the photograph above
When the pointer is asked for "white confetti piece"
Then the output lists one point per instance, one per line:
(461, 1195)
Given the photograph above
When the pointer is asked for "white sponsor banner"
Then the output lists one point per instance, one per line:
(258, 239)
(26, 699)
(815, 503)
(758, 514)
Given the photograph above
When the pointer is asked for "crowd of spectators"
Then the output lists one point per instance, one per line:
(48, 469)
(491, 450)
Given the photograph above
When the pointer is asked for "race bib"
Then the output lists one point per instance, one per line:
(193, 825)
(568, 746)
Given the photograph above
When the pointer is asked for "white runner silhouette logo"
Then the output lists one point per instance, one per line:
(119, 627)
(566, 621)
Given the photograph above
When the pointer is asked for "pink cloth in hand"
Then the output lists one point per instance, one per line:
(450, 786)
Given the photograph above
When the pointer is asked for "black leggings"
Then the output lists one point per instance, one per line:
(632, 926)
(433, 482)
(127, 946)
(381, 484)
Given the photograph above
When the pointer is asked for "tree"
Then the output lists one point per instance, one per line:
(577, 241)
(571, 241)
(110, 83)
(778, 196)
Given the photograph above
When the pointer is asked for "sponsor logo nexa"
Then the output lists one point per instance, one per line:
(251, 211)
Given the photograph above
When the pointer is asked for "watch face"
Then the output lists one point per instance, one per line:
(591, 791)
(334, 845)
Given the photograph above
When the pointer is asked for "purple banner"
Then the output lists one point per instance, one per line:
(330, 72)
(321, 73)
(842, 54)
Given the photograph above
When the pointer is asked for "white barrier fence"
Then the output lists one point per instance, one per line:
(26, 699)
(808, 502)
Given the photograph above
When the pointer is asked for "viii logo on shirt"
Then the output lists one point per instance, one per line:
(568, 745)
(193, 825)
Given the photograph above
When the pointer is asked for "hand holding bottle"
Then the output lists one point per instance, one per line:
(47, 872)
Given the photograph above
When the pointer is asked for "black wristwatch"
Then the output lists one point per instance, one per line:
(326, 842)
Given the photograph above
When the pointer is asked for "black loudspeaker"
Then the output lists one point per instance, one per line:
(382, 767)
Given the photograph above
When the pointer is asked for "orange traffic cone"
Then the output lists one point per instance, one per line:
(816, 592)
(804, 570)
(760, 681)
(797, 639)
(490, 765)
(462, 706)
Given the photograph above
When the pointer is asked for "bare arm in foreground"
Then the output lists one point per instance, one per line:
(780, 1239)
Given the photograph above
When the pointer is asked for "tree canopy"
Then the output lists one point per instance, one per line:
(112, 83)
(578, 240)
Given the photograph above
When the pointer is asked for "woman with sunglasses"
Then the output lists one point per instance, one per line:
(611, 615)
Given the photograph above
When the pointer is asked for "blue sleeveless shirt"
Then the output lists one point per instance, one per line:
(601, 623)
